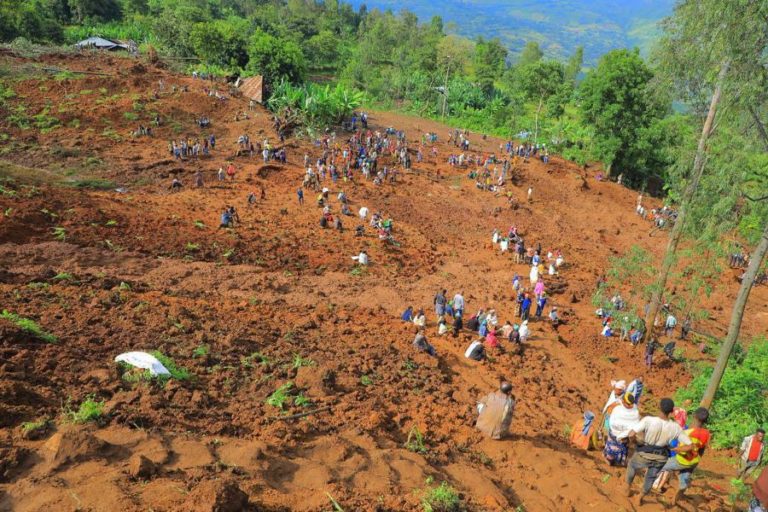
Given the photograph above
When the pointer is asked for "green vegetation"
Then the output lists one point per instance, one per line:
(281, 396)
(29, 326)
(415, 441)
(443, 498)
(366, 380)
(94, 183)
(201, 351)
(59, 233)
(90, 410)
(177, 372)
(741, 403)
(34, 426)
(299, 362)
(247, 361)
(63, 276)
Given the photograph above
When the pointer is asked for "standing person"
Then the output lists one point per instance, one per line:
(300, 195)
(530, 194)
(440, 302)
(623, 417)
(541, 302)
(458, 304)
(669, 325)
(495, 412)
(684, 463)
(752, 448)
(199, 179)
(652, 454)
(650, 348)
(636, 388)
(526, 308)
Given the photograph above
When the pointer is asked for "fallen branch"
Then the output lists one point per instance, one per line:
(58, 70)
(301, 414)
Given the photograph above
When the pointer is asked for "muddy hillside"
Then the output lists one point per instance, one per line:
(295, 383)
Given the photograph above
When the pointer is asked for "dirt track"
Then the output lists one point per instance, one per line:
(150, 270)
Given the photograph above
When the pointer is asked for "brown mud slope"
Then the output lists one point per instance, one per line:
(276, 301)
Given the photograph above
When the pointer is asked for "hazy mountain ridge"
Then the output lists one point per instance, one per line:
(558, 25)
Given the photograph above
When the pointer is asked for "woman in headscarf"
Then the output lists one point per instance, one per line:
(622, 419)
(618, 388)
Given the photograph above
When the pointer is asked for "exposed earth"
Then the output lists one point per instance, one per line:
(276, 300)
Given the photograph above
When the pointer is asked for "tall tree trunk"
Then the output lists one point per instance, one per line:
(690, 191)
(538, 111)
(736, 316)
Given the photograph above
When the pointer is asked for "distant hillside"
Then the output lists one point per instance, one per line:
(558, 25)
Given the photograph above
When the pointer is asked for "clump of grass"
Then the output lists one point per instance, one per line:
(359, 270)
(201, 351)
(131, 116)
(177, 372)
(366, 380)
(280, 396)
(94, 183)
(32, 426)
(29, 326)
(59, 233)
(199, 224)
(90, 410)
(442, 499)
(247, 361)
(63, 276)
(191, 247)
(415, 441)
(302, 401)
(110, 223)
(299, 362)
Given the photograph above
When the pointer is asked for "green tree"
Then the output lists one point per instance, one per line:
(275, 58)
(221, 42)
(531, 53)
(540, 81)
(573, 67)
(616, 99)
(96, 10)
(489, 61)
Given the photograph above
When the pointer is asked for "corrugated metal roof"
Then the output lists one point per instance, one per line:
(253, 88)
(100, 42)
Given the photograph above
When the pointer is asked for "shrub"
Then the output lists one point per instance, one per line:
(29, 326)
(89, 410)
(94, 183)
(740, 404)
(442, 499)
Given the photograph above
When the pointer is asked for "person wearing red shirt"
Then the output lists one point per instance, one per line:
(684, 463)
(752, 448)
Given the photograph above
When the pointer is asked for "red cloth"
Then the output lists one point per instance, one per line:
(680, 416)
(754, 450)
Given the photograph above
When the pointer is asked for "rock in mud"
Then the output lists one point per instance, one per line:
(216, 496)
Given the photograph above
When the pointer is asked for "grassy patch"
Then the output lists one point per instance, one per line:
(366, 380)
(90, 410)
(280, 396)
(442, 499)
(29, 326)
(131, 116)
(63, 276)
(201, 351)
(415, 441)
(59, 233)
(298, 361)
(33, 426)
(247, 361)
(94, 183)
(177, 372)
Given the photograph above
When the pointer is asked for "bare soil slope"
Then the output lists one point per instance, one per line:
(275, 301)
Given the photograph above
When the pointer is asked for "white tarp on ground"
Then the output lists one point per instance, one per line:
(143, 360)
